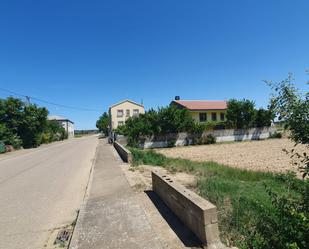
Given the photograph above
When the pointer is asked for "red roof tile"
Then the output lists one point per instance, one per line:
(202, 104)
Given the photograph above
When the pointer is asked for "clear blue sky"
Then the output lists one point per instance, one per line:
(92, 54)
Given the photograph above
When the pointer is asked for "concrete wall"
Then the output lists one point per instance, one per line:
(227, 135)
(125, 154)
(198, 214)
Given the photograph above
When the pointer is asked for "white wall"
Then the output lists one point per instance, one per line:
(228, 135)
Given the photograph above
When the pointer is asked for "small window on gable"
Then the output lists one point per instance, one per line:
(203, 117)
(127, 113)
(214, 116)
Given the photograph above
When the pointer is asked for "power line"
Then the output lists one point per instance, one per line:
(50, 103)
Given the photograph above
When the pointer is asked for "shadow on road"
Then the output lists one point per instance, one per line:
(184, 234)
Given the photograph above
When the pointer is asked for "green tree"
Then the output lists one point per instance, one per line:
(53, 131)
(26, 122)
(240, 113)
(287, 226)
(34, 120)
(167, 120)
(292, 108)
(263, 118)
(8, 137)
(103, 123)
(174, 120)
(11, 113)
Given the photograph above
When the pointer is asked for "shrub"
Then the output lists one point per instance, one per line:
(209, 139)
(263, 118)
(221, 126)
(286, 225)
(240, 113)
(256, 210)
(276, 135)
(9, 138)
(102, 123)
(147, 157)
(2, 147)
(167, 120)
(46, 138)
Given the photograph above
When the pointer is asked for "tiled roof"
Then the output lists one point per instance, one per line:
(202, 104)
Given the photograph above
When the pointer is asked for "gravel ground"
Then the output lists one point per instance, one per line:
(263, 155)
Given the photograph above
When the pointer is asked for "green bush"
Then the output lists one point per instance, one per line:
(168, 120)
(27, 125)
(276, 135)
(9, 138)
(241, 114)
(103, 123)
(2, 147)
(209, 139)
(251, 215)
(286, 225)
(45, 138)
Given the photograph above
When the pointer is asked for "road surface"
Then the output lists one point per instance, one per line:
(41, 190)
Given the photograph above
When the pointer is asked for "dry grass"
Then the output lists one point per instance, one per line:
(264, 155)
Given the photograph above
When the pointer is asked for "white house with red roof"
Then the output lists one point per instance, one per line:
(203, 110)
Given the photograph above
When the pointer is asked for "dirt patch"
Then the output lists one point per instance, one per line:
(263, 155)
(139, 177)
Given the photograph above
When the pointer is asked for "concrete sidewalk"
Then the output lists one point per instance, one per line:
(111, 216)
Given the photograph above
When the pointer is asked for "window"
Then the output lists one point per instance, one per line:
(120, 123)
(222, 116)
(119, 113)
(127, 113)
(203, 117)
(135, 112)
(214, 116)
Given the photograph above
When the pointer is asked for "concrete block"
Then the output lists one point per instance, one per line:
(125, 154)
(195, 212)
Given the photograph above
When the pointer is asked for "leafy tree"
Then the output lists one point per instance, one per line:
(8, 137)
(240, 113)
(263, 118)
(11, 113)
(292, 108)
(53, 131)
(174, 120)
(167, 120)
(26, 123)
(103, 123)
(287, 226)
(32, 125)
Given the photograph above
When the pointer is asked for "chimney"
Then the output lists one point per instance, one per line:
(177, 97)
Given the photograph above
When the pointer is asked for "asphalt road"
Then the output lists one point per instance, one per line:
(41, 190)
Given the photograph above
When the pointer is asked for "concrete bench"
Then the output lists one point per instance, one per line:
(125, 154)
(198, 214)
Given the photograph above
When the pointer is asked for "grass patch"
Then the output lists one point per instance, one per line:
(241, 195)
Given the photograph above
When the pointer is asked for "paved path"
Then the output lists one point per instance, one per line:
(41, 189)
(112, 216)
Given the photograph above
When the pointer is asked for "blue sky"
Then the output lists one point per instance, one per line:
(92, 54)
